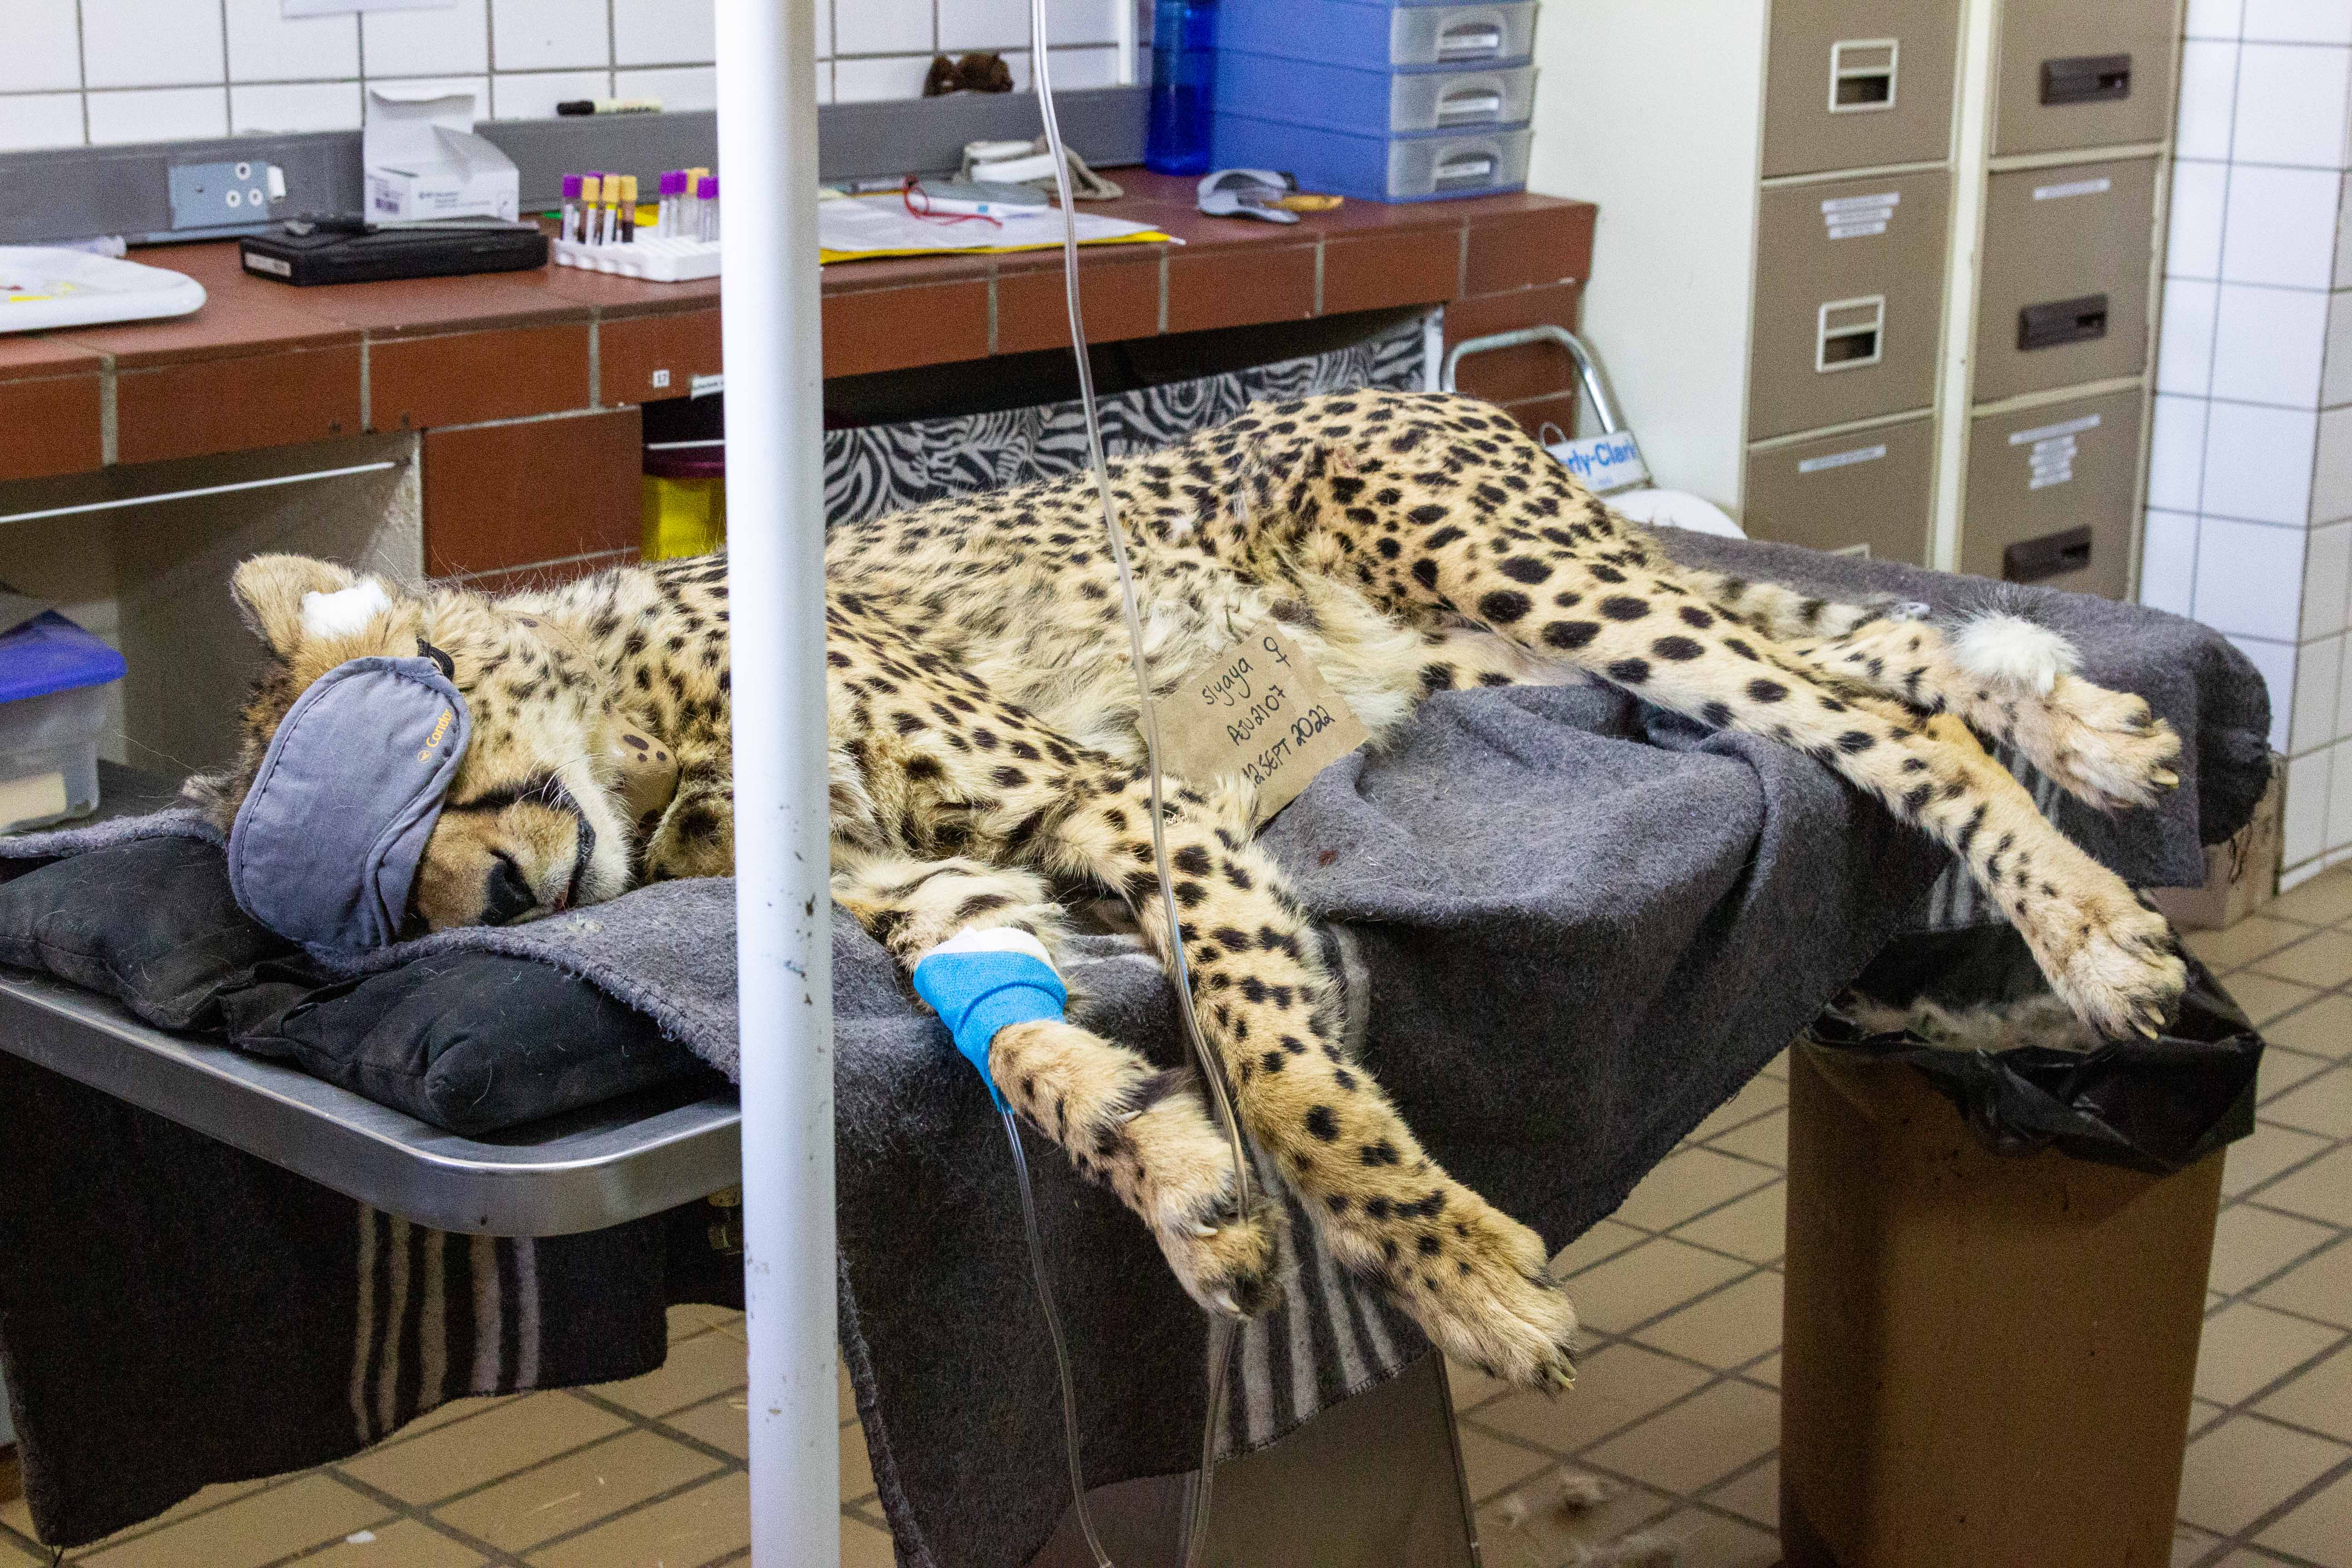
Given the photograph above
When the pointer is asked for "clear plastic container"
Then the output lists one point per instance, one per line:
(53, 681)
(1344, 32)
(48, 757)
(1433, 167)
(1374, 102)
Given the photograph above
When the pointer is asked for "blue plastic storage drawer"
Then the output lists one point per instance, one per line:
(1434, 166)
(1374, 103)
(1348, 33)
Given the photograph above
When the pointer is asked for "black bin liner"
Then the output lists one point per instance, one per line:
(2157, 1106)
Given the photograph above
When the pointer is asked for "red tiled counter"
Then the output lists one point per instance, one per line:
(516, 377)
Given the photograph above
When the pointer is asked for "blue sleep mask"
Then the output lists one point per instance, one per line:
(325, 849)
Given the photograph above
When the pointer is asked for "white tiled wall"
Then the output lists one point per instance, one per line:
(99, 71)
(2250, 478)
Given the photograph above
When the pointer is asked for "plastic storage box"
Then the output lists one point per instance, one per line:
(1436, 166)
(53, 681)
(1381, 36)
(1374, 102)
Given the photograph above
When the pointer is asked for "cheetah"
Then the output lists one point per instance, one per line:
(986, 771)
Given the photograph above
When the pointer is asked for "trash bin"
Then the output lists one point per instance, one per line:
(1996, 1271)
(685, 500)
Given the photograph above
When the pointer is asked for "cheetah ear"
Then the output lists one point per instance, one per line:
(270, 593)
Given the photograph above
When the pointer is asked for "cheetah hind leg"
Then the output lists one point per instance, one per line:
(1999, 671)
(1144, 1134)
(2011, 680)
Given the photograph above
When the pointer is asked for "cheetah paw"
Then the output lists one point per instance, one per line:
(1228, 1261)
(2107, 747)
(2113, 961)
(1482, 1292)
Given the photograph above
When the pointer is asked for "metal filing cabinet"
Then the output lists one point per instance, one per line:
(1854, 84)
(1865, 494)
(2051, 494)
(2083, 73)
(2065, 292)
(1848, 297)
(1923, 226)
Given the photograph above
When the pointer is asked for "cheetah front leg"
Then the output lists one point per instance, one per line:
(1143, 1133)
(1472, 1277)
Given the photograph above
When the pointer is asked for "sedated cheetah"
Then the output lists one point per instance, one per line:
(985, 765)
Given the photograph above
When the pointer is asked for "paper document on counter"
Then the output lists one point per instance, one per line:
(852, 230)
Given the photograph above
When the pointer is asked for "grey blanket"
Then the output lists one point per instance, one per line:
(1572, 926)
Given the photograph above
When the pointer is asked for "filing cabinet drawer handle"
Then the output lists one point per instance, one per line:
(1480, 38)
(1850, 333)
(1863, 74)
(1481, 99)
(2086, 78)
(2052, 555)
(2055, 323)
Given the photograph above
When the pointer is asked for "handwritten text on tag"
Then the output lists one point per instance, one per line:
(1262, 712)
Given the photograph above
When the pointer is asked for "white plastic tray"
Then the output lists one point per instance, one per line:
(43, 288)
(655, 261)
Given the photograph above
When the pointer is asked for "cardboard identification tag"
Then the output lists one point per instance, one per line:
(1262, 712)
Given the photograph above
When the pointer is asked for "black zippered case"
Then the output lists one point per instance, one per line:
(381, 255)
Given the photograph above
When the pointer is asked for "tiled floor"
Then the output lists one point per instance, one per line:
(1677, 1401)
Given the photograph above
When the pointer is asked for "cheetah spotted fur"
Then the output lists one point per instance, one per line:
(985, 766)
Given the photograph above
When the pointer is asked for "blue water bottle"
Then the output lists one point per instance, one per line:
(1183, 64)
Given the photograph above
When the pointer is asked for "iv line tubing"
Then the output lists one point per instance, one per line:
(1061, 1348)
(1146, 709)
(1220, 1331)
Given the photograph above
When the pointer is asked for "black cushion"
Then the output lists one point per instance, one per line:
(473, 1042)
(152, 923)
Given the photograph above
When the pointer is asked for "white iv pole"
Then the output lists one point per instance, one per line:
(775, 481)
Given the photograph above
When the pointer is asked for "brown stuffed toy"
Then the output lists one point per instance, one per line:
(973, 73)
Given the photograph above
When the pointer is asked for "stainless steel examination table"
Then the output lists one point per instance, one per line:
(608, 1164)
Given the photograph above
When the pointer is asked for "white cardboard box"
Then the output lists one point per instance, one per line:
(423, 161)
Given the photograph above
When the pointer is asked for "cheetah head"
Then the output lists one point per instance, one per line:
(535, 821)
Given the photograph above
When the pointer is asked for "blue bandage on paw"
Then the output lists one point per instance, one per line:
(979, 982)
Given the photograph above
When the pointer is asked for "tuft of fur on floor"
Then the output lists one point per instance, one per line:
(1643, 1549)
(1577, 1493)
(2042, 1021)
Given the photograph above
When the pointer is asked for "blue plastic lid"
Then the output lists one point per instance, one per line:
(50, 653)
